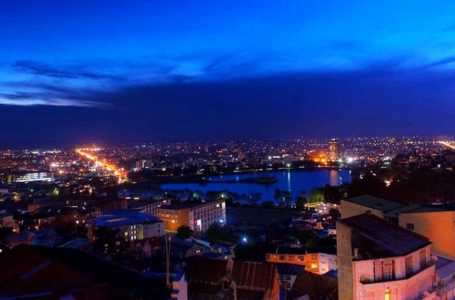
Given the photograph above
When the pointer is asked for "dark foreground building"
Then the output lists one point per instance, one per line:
(30, 272)
(231, 279)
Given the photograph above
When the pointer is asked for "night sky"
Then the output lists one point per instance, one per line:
(126, 71)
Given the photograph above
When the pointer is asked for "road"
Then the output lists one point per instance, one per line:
(115, 170)
(447, 144)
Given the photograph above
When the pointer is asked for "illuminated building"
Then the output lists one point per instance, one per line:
(143, 164)
(132, 225)
(432, 221)
(379, 207)
(379, 260)
(436, 223)
(198, 216)
(147, 206)
(35, 176)
(334, 150)
(315, 261)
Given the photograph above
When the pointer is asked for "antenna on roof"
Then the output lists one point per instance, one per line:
(167, 244)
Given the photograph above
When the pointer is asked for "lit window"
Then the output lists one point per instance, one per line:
(387, 294)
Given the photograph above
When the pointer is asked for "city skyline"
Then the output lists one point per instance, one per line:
(133, 71)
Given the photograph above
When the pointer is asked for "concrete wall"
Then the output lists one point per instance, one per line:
(405, 289)
(174, 218)
(349, 209)
(318, 263)
(345, 272)
(439, 227)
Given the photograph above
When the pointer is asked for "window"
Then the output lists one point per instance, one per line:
(423, 258)
(384, 270)
(410, 226)
(388, 270)
(409, 265)
(387, 294)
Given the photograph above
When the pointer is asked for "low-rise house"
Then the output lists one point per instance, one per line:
(309, 286)
(315, 260)
(231, 279)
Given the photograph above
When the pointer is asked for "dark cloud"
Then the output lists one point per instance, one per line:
(66, 72)
(381, 98)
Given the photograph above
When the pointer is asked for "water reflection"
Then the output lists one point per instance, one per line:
(292, 181)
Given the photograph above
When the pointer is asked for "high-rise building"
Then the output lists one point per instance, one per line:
(334, 150)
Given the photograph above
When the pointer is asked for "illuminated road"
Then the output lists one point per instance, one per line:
(115, 170)
(447, 144)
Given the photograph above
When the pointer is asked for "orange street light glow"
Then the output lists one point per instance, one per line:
(447, 144)
(118, 172)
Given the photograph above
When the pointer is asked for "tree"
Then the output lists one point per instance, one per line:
(300, 203)
(316, 195)
(216, 233)
(184, 232)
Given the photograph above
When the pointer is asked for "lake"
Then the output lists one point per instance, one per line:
(294, 181)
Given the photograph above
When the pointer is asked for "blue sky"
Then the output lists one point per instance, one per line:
(224, 69)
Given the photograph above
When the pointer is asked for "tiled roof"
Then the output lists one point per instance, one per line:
(250, 277)
(315, 286)
(254, 276)
(207, 271)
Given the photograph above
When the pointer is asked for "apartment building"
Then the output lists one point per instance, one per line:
(196, 215)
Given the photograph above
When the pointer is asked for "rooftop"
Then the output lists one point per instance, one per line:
(114, 218)
(203, 273)
(376, 203)
(432, 208)
(376, 238)
(187, 204)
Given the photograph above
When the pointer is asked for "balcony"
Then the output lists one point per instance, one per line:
(367, 281)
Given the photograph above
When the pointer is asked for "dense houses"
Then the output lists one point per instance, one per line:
(80, 233)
